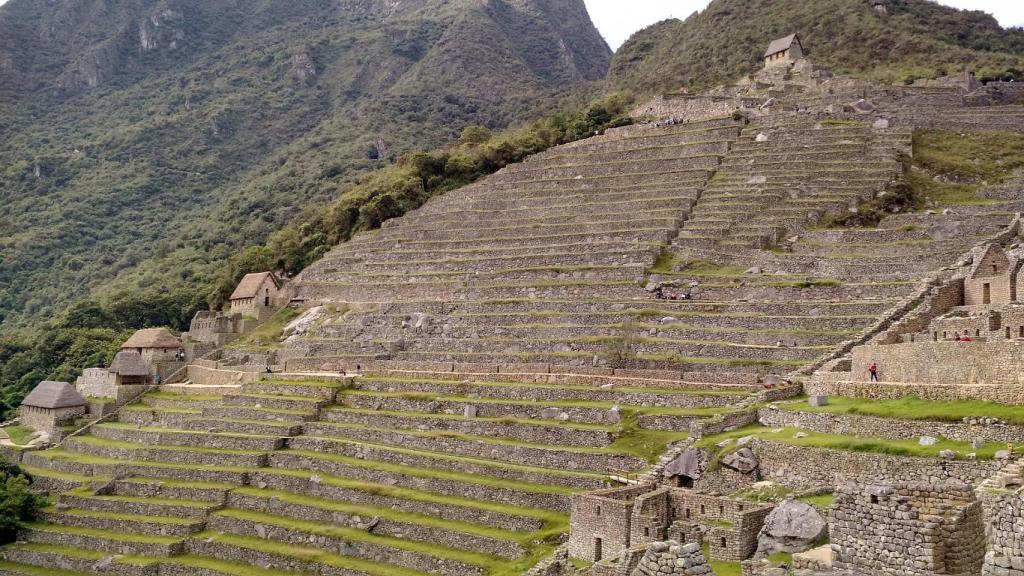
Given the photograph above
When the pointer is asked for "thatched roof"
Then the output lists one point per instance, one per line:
(781, 45)
(250, 285)
(152, 338)
(52, 395)
(128, 363)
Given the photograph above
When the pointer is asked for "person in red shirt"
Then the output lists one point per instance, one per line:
(873, 370)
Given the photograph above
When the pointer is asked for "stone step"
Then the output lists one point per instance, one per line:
(384, 522)
(109, 542)
(124, 523)
(24, 559)
(539, 431)
(283, 417)
(302, 404)
(100, 467)
(141, 487)
(311, 455)
(354, 543)
(458, 509)
(91, 446)
(139, 505)
(170, 437)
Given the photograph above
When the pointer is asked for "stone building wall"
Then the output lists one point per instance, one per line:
(978, 363)
(907, 529)
(49, 420)
(97, 383)
(837, 384)
(600, 525)
(1005, 518)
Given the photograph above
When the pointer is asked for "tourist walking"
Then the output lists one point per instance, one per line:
(873, 370)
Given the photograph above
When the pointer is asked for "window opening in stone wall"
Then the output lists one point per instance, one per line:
(723, 542)
(986, 294)
(702, 511)
(1007, 332)
(597, 549)
(687, 512)
(721, 510)
(874, 499)
(647, 531)
(598, 511)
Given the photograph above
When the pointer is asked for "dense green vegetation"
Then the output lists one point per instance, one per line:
(132, 164)
(18, 503)
(917, 39)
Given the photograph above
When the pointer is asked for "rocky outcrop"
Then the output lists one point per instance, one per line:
(664, 558)
(793, 526)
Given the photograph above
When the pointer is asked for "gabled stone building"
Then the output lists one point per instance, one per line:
(127, 375)
(50, 405)
(992, 279)
(155, 345)
(784, 51)
(257, 295)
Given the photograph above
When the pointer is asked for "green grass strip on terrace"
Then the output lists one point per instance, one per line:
(357, 535)
(574, 387)
(199, 433)
(913, 408)
(36, 570)
(126, 517)
(107, 534)
(494, 420)
(554, 521)
(395, 515)
(119, 444)
(417, 472)
(88, 494)
(309, 555)
(214, 564)
(471, 460)
(909, 448)
(595, 404)
(87, 459)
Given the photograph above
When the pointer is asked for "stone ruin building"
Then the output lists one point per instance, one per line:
(159, 349)
(907, 529)
(607, 523)
(258, 295)
(51, 405)
(127, 376)
(784, 52)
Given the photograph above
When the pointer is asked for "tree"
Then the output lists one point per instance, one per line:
(18, 503)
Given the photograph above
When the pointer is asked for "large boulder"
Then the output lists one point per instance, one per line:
(743, 460)
(793, 526)
(692, 463)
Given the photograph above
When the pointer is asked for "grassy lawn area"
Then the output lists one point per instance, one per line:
(820, 500)
(268, 335)
(846, 443)
(913, 408)
(20, 435)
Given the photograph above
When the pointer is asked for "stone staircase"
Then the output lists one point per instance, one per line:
(408, 474)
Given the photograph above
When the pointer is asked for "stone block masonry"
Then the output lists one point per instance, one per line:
(1006, 522)
(907, 529)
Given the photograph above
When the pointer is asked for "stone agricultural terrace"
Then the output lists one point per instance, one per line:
(619, 357)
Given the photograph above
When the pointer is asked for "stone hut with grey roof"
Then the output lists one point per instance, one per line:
(257, 295)
(155, 345)
(784, 51)
(50, 405)
(127, 376)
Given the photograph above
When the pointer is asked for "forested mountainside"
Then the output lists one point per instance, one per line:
(889, 40)
(142, 142)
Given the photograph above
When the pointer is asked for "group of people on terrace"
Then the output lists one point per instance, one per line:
(661, 294)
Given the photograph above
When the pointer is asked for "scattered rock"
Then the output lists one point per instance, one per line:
(1003, 455)
(762, 137)
(757, 179)
(469, 411)
(947, 454)
(927, 441)
(753, 270)
(691, 463)
(743, 460)
(800, 435)
(881, 124)
(817, 400)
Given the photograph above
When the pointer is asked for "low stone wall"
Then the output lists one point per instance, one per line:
(686, 108)
(359, 549)
(871, 427)
(317, 488)
(820, 468)
(1005, 517)
(726, 423)
(289, 461)
(833, 384)
(519, 454)
(214, 377)
(383, 526)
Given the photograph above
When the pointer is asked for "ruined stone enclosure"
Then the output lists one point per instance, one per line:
(512, 367)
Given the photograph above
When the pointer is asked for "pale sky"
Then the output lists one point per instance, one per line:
(618, 19)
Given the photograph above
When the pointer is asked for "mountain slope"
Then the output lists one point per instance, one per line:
(134, 129)
(913, 38)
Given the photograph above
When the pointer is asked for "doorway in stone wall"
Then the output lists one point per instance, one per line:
(986, 294)
(597, 549)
